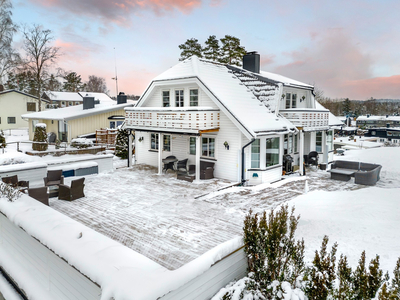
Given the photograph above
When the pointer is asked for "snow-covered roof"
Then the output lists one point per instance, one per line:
(246, 97)
(285, 80)
(19, 92)
(76, 111)
(97, 96)
(63, 96)
(379, 118)
(333, 120)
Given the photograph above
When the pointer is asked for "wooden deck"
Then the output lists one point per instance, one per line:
(159, 217)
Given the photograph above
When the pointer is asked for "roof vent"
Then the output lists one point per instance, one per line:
(88, 102)
(251, 62)
(121, 98)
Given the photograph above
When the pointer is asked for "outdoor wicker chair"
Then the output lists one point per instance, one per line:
(313, 158)
(182, 164)
(72, 193)
(14, 182)
(40, 194)
(54, 177)
(169, 165)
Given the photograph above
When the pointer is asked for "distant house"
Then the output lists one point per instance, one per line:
(70, 122)
(384, 134)
(62, 99)
(242, 120)
(369, 121)
(13, 104)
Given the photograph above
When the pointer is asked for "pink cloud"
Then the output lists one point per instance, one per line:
(336, 64)
(119, 11)
(378, 87)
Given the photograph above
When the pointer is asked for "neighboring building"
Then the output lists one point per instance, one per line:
(384, 134)
(378, 121)
(70, 122)
(62, 99)
(13, 104)
(207, 111)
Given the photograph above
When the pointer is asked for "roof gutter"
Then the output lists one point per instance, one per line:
(249, 143)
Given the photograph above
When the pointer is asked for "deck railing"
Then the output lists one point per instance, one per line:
(307, 118)
(176, 119)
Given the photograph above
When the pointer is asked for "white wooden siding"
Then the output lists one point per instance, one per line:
(206, 285)
(51, 274)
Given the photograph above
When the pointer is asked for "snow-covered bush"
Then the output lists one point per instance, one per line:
(81, 143)
(2, 140)
(7, 191)
(122, 143)
(275, 258)
(40, 136)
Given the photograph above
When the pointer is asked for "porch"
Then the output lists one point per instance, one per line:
(156, 129)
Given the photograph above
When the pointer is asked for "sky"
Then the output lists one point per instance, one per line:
(344, 48)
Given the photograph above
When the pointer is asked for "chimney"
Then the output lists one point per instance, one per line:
(121, 98)
(88, 102)
(251, 62)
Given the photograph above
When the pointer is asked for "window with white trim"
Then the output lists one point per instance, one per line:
(154, 141)
(11, 120)
(194, 97)
(272, 152)
(192, 145)
(208, 147)
(165, 98)
(179, 99)
(291, 100)
(166, 142)
(255, 154)
(318, 141)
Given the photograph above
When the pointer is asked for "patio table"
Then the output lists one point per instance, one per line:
(169, 163)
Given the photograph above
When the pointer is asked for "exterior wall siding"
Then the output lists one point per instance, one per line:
(54, 278)
(32, 172)
(14, 104)
(206, 285)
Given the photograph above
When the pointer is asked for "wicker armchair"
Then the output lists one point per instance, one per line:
(72, 193)
(54, 177)
(182, 164)
(14, 182)
(40, 194)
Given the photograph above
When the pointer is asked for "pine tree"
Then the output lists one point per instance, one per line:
(346, 106)
(361, 280)
(189, 48)
(40, 136)
(345, 280)
(395, 288)
(375, 277)
(122, 143)
(212, 49)
(73, 83)
(232, 51)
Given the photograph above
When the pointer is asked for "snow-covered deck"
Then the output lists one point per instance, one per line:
(161, 218)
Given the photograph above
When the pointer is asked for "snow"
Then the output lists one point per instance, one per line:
(357, 217)
(42, 125)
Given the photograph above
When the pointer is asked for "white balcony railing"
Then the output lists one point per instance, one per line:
(307, 118)
(174, 118)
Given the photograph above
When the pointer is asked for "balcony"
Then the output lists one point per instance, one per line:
(192, 119)
(306, 118)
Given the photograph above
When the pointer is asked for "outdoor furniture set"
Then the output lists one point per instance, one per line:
(53, 186)
(206, 168)
(363, 173)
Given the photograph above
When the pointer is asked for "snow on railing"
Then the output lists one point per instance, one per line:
(307, 118)
(173, 119)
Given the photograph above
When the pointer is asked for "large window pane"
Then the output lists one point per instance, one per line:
(192, 145)
(294, 100)
(287, 100)
(208, 147)
(154, 141)
(211, 147)
(165, 98)
(255, 154)
(272, 152)
(194, 97)
(179, 98)
(318, 141)
(167, 143)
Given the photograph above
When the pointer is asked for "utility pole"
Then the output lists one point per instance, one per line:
(116, 76)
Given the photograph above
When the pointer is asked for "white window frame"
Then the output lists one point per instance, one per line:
(180, 98)
(154, 136)
(272, 151)
(164, 97)
(194, 99)
(290, 99)
(208, 147)
(255, 155)
(192, 138)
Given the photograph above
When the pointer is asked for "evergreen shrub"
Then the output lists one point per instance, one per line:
(40, 135)
(122, 144)
(2, 140)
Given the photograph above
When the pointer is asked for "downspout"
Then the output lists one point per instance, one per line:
(252, 141)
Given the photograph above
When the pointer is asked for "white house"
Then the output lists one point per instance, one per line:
(13, 104)
(241, 119)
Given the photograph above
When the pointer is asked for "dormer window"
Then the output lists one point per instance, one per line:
(179, 100)
(291, 100)
(165, 98)
(194, 97)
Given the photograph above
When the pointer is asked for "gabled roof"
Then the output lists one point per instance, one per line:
(247, 98)
(22, 93)
(97, 96)
(63, 96)
(76, 111)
